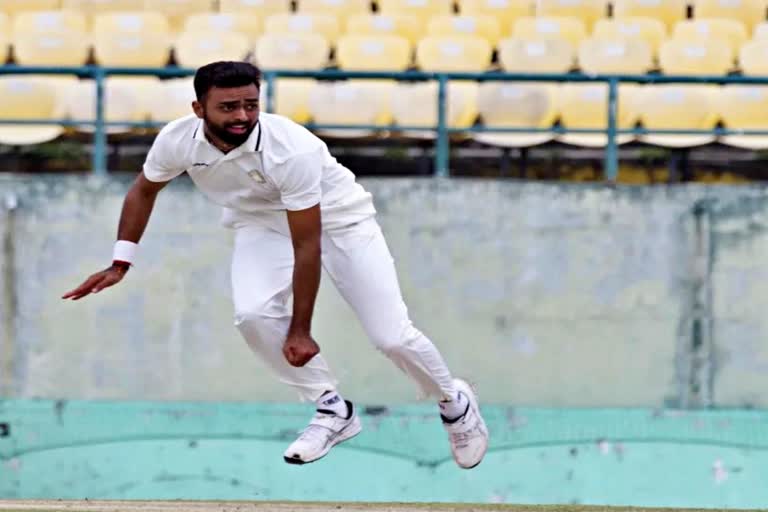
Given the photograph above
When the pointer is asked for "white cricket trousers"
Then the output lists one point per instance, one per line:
(359, 263)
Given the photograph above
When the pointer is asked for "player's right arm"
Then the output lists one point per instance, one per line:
(137, 208)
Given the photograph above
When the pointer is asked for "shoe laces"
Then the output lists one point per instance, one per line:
(316, 430)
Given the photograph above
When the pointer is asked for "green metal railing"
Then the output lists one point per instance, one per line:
(442, 130)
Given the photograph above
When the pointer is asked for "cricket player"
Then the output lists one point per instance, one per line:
(293, 208)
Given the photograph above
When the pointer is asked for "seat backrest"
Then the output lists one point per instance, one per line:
(245, 23)
(703, 57)
(570, 29)
(325, 25)
(668, 11)
(650, 30)
(518, 105)
(506, 12)
(618, 56)
(753, 57)
(588, 11)
(732, 31)
(292, 51)
(195, 49)
(586, 105)
(453, 53)
(744, 107)
(471, 25)
(421, 9)
(520, 55)
(749, 12)
(373, 53)
(341, 9)
(673, 106)
(380, 24)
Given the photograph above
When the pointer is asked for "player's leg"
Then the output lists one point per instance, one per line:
(262, 273)
(361, 266)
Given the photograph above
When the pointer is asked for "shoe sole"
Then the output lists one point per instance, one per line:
(349, 432)
(473, 403)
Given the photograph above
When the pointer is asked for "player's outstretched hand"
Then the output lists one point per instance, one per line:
(97, 282)
(299, 349)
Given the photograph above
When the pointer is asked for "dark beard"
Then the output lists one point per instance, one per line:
(233, 139)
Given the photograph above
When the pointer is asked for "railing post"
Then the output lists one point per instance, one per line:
(100, 132)
(442, 149)
(611, 165)
(270, 77)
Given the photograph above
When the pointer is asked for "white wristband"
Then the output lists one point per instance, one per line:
(125, 251)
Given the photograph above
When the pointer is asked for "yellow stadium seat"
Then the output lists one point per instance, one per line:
(420, 9)
(380, 24)
(292, 51)
(50, 38)
(731, 31)
(373, 53)
(5, 39)
(15, 6)
(131, 39)
(585, 106)
(668, 11)
(291, 98)
(93, 7)
(588, 11)
(744, 107)
(761, 31)
(480, 26)
(173, 99)
(126, 99)
(678, 107)
(322, 24)
(506, 12)
(571, 29)
(246, 23)
(415, 104)
(261, 8)
(753, 57)
(650, 30)
(517, 105)
(32, 99)
(628, 56)
(47, 22)
(704, 57)
(517, 55)
(195, 49)
(749, 12)
(457, 53)
(341, 9)
(353, 102)
(176, 11)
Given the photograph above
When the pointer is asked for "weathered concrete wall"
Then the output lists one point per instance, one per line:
(543, 294)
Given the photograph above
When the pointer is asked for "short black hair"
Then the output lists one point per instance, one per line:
(225, 74)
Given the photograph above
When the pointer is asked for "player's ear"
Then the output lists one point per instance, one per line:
(197, 107)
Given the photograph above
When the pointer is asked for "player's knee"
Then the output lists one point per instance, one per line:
(251, 315)
(393, 342)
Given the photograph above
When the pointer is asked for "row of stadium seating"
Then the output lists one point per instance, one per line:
(382, 103)
(450, 43)
(670, 12)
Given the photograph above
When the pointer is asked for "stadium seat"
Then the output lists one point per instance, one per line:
(704, 57)
(50, 38)
(650, 30)
(668, 11)
(93, 7)
(323, 24)
(352, 102)
(479, 25)
(627, 56)
(585, 106)
(5, 37)
(731, 31)
(588, 11)
(373, 53)
(517, 105)
(749, 12)
(761, 31)
(415, 104)
(176, 11)
(29, 98)
(341, 9)
(292, 51)
(132, 39)
(248, 24)
(518, 55)
(744, 107)
(173, 99)
(261, 8)
(291, 98)
(453, 53)
(126, 99)
(571, 29)
(15, 6)
(678, 107)
(506, 12)
(422, 10)
(380, 24)
(753, 57)
(195, 49)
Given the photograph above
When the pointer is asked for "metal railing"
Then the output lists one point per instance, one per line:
(442, 130)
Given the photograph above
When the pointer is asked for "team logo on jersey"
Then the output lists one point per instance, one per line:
(256, 175)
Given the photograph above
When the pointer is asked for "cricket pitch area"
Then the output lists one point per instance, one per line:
(244, 506)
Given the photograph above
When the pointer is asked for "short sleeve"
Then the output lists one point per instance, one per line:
(298, 180)
(162, 163)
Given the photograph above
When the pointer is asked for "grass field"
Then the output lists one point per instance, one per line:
(243, 506)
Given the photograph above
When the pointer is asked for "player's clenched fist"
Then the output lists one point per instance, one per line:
(97, 282)
(299, 349)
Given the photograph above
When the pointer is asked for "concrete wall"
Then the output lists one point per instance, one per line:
(547, 295)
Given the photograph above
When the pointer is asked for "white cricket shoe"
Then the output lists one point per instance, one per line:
(325, 431)
(468, 434)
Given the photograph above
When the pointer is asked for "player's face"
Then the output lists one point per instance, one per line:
(230, 114)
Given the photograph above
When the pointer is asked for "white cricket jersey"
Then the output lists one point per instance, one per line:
(282, 166)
